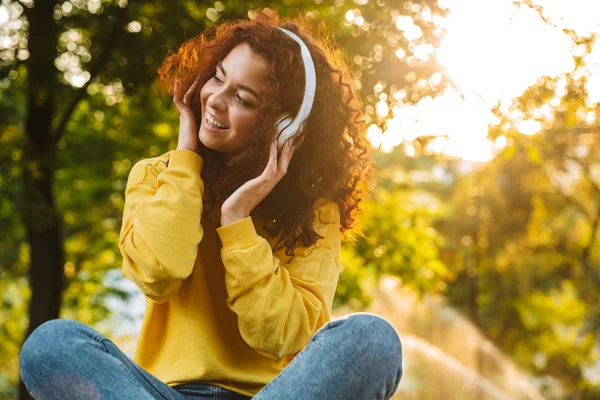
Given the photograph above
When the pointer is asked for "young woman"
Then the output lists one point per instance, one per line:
(234, 238)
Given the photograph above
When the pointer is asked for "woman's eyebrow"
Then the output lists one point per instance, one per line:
(246, 88)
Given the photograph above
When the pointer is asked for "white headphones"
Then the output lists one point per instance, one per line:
(288, 125)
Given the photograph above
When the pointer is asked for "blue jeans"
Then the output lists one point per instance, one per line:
(357, 357)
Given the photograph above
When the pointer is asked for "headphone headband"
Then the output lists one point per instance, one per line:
(298, 122)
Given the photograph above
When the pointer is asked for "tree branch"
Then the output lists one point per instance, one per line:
(4, 71)
(586, 173)
(587, 250)
(578, 130)
(539, 9)
(104, 56)
(571, 200)
(27, 8)
(594, 221)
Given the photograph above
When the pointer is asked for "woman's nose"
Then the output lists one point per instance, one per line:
(217, 101)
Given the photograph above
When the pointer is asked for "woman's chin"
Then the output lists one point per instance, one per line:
(209, 140)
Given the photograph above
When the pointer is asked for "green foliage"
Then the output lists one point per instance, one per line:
(356, 283)
(531, 274)
(396, 235)
(556, 319)
(109, 123)
(511, 243)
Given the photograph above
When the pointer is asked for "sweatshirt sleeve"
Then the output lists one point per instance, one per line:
(280, 305)
(161, 226)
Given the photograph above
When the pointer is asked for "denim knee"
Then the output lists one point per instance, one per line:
(377, 340)
(46, 344)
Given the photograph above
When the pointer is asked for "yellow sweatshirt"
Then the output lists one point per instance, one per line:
(221, 307)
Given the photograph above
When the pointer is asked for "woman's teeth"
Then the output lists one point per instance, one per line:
(214, 123)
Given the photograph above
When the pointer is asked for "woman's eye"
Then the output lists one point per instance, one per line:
(241, 100)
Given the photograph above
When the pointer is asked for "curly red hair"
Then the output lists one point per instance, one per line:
(332, 158)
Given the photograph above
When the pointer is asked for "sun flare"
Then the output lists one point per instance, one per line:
(492, 51)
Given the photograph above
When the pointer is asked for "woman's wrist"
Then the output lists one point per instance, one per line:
(184, 147)
(230, 218)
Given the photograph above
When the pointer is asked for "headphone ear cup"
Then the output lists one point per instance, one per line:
(283, 134)
(283, 122)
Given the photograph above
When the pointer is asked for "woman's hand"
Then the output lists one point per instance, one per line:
(239, 205)
(188, 126)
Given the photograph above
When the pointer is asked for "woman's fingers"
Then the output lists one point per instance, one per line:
(191, 91)
(188, 132)
(251, 193)
(182, 102)
(277, 166)
(271, 168)
(285, 158)
(176, 91)
(177, 97)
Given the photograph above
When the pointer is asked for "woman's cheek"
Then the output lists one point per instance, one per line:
(249, 125)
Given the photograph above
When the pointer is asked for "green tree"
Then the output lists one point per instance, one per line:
(78, 109)
(526, 225)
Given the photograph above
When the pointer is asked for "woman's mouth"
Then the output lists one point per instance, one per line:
(213, 124)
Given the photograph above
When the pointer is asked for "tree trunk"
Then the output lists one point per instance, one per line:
(47, 254)
(40, 215)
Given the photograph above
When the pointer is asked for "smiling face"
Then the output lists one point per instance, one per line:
(231, 101)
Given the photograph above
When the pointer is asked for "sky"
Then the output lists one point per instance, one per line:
(492, 51)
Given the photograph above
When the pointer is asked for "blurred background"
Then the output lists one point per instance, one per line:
(480, 238)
